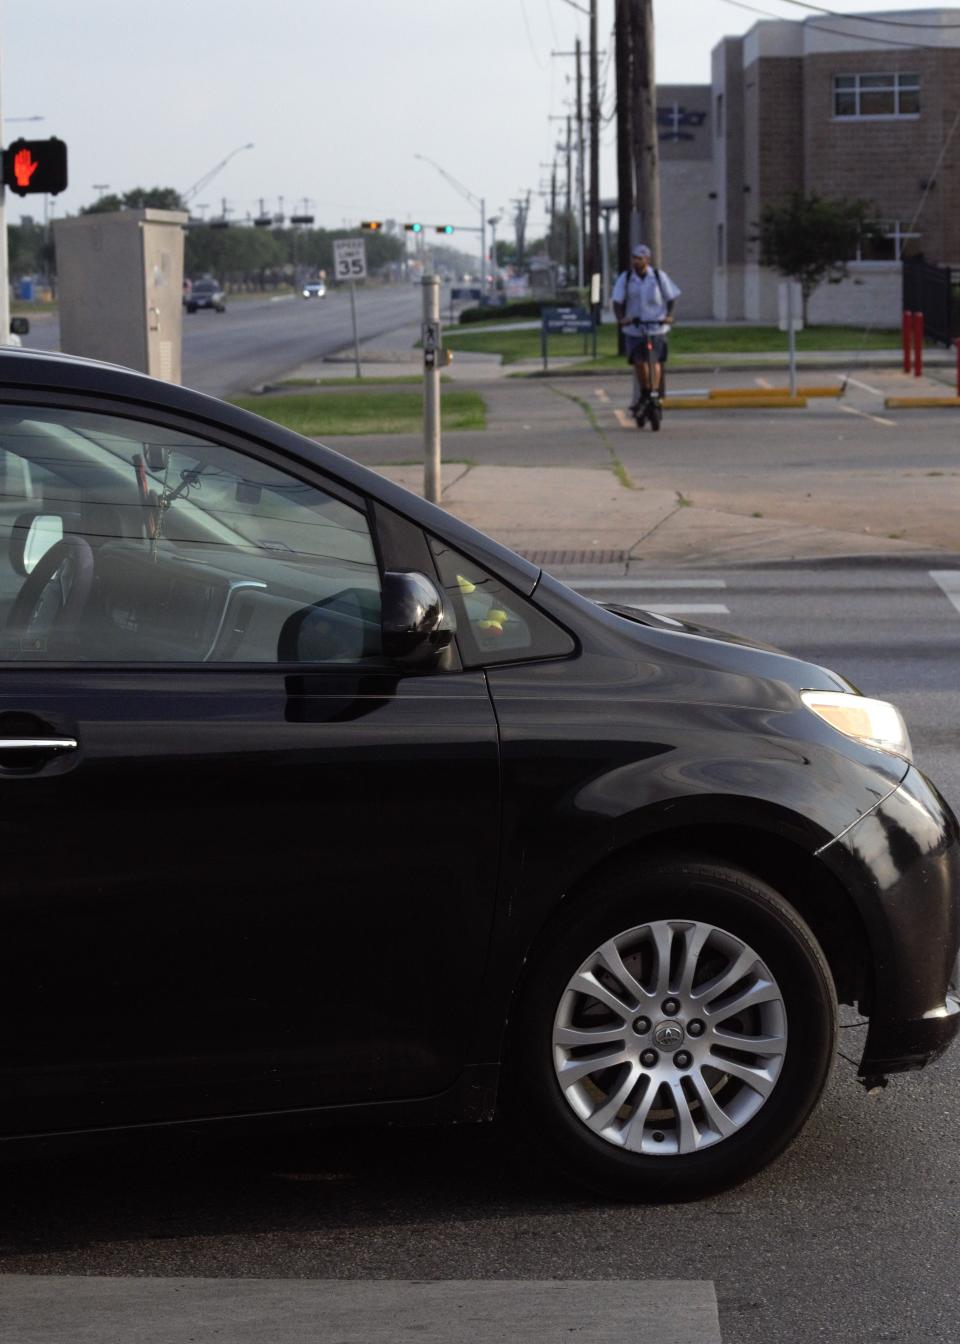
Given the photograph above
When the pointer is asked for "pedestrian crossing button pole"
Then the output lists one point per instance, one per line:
(431, 388)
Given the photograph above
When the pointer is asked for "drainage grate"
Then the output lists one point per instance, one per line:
(576, 557)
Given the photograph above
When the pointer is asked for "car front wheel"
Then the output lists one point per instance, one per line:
(675, 1035)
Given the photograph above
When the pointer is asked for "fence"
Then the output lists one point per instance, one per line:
(935, 292)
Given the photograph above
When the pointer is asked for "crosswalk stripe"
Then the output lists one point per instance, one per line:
(949, 582)
(76, 1309)
(681, 608)
(641, 585)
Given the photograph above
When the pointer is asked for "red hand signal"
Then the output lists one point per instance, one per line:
(24, 167)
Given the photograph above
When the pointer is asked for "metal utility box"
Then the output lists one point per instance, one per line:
(121, 288)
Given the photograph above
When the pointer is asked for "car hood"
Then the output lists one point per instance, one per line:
(794, 670)
(653, 620)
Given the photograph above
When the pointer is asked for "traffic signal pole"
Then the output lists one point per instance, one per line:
(4, 253)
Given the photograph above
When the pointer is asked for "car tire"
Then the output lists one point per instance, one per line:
(649, 1125)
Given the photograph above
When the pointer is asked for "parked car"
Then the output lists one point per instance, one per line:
(358, 813)
(314, 289)
(206, 294)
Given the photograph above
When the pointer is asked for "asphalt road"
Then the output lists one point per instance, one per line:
(853, 1236)
(258, 340)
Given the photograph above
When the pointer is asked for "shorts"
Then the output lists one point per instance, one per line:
(637, 348)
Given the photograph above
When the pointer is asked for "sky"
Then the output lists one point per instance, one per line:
(336, 97)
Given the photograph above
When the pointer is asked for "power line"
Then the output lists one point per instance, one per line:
(526, 24)
(838, 32)
(868, 18)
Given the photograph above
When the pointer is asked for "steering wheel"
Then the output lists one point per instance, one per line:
(57, 589)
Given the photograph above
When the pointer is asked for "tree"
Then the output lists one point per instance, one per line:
(140, 198)
(812, 238)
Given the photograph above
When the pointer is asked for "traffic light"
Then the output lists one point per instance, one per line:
(413, 228)
(301, 219)
(444, 228)
(372, 224)
(35, 166)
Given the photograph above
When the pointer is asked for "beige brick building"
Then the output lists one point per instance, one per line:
(841, 107)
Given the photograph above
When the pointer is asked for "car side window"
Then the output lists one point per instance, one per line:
(494, 624)
(122, 541)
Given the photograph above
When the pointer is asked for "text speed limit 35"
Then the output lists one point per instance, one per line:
(350, 259)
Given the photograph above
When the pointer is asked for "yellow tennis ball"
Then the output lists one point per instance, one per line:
(465, 585)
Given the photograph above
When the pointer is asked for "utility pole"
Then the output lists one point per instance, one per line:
(593, 254)
(567, 249)
(627, 223)
(646, 143)
(581, 203)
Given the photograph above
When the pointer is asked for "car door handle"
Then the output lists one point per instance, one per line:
(48, 745)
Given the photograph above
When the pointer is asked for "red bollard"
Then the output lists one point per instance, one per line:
(907, 325)
(917, 344)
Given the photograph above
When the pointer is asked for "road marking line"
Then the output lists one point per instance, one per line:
(857, 383)
(600, 394)
(648, 583)
(865, 415)
(763, 382)
(680, 608)
(361, 1311)
(625, 419)
(949, 582)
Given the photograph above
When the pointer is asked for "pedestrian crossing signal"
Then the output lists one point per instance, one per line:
(372, 224)
(444, 228)
(35, 166)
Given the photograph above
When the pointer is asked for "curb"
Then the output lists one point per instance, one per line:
(918, 403)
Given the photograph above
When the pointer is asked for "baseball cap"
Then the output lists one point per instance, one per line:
(641, 250)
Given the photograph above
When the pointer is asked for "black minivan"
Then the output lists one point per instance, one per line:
(317, 802)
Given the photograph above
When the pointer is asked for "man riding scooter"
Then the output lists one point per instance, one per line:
(643, 302)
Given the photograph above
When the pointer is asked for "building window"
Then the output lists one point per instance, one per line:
(865, 96)
(890, 242)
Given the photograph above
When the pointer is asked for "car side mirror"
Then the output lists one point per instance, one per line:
(20, 326)
(414, 622)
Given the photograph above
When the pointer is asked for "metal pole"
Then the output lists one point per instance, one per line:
(791, 340)
(356, 338)
(483, 246)
(431, 392)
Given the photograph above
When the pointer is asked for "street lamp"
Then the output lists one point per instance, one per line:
(207, 178)
(478, 203)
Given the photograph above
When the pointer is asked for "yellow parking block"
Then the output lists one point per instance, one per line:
(820, 390)
(768, 402)
(918, 403)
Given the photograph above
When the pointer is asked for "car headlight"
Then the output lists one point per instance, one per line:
(874, 722)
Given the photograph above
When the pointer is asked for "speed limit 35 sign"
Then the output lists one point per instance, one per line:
(350, 258)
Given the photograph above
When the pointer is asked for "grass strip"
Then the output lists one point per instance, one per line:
(398, 380)
(684, 340)
(365, 412)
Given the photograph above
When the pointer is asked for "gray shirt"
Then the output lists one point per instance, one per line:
(643, 297)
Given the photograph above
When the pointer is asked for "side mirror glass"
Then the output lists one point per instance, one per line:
(415, 625)
(31, 537)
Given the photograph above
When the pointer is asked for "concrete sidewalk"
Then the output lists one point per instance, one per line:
(562, 474)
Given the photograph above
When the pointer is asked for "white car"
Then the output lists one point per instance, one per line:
(314, 289)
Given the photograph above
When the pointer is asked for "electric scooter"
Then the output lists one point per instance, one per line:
(648, 407)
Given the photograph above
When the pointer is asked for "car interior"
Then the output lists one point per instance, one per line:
(123, 541)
